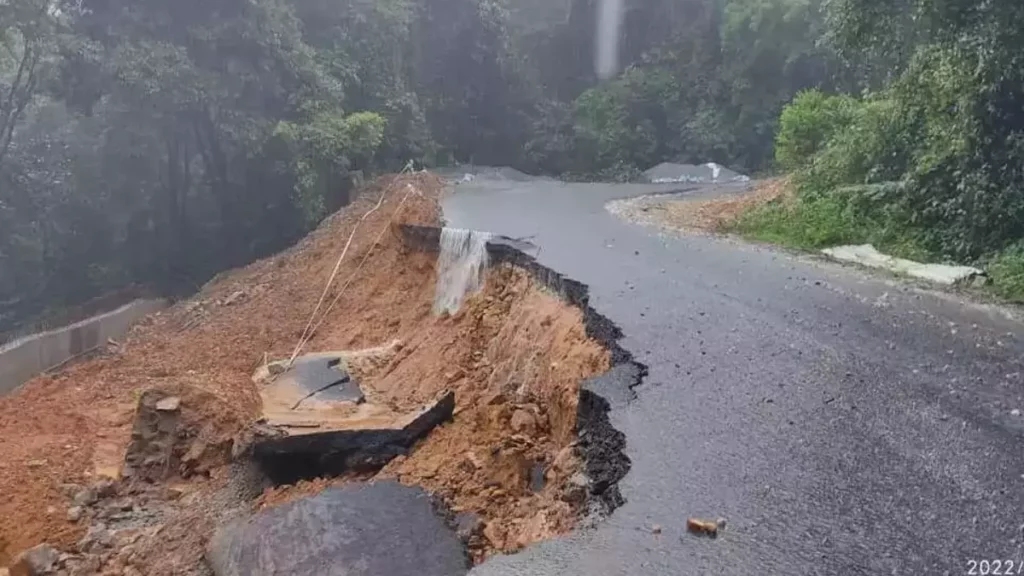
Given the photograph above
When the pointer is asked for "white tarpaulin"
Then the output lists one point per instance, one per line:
(866, 255)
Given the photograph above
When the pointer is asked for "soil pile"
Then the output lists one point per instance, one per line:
(707, 215)
(513, 354)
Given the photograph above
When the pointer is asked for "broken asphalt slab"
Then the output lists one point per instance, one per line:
(353, 444)
(317, 378)
(355, 530)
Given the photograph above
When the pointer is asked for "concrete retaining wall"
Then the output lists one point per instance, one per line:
(26, 357)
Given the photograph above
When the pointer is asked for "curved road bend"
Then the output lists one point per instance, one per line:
(841, 423)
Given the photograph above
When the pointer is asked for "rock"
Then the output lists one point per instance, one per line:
(75, 513)
(38, 561)
(69, 490)
(105, 488)
(523, 421)
(97, 538)
(85, 497)
(175, 492)
(1015, 412)
(576, 489)
(353, 530)
(494, 399)
(169, 404)
(36, 463)
(494, 535)
(564, 461)
(150, 455)
(702, 527)
(468, 525)
(656, 529)
(234, 298)
(87, 565)
(474, 461)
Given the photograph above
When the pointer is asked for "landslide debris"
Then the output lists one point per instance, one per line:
(175, 406)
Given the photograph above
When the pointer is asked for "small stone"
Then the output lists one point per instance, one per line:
(105, 488)
(97, 538)
(656, 529)
(495, 399)
(474, 460)
(576, 489)
(468, 525)
(85, 497)
(174, 492)
(1015, 412)
(37, 561)
(523, 421)
(69, 490)
(36, 463)
(169, 404)
(75, 513)
(234, 297)
(494, 535)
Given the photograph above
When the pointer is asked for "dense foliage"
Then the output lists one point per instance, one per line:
(930, 160)
(160, 141)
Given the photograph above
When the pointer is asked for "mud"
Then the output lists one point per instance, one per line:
(514, 356)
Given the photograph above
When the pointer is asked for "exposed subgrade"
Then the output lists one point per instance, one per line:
(600, 445)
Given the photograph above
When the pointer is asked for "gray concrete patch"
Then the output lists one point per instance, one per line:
(356, 530)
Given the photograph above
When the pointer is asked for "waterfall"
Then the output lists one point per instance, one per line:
(460, 267)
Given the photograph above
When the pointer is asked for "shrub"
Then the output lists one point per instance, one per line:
(808, 124)
(1007, 272)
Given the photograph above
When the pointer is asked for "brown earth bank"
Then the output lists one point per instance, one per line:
(700, 215)
(514, 355)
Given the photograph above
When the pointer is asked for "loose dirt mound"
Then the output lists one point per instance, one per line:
(714, 215)
(514, 356)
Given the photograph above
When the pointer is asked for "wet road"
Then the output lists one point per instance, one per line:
(842, 423)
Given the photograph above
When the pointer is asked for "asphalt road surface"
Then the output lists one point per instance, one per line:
(842, 422)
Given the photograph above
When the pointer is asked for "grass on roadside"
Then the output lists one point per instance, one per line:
(823, 222)
(832, 220)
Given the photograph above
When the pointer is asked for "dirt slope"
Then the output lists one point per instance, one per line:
(514, 355)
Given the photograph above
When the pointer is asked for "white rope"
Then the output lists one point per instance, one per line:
(307, 332)
(360, 266)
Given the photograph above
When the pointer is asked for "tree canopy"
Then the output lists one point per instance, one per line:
(160, 141)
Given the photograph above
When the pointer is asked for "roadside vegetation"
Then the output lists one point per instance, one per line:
(927, 162)
(158, 142)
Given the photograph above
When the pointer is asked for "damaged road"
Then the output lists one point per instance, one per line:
(842, 423)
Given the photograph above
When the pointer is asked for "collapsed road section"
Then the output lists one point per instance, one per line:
(491, 399)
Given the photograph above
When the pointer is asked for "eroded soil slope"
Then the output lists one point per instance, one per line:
(514, 355)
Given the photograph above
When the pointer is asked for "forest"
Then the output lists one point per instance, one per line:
(158, 142)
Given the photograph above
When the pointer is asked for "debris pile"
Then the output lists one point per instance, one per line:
(710, 173)
(129, 462)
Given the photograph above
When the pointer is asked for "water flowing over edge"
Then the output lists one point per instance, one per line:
(460, 267)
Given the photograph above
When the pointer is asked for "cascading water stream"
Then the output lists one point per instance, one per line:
(460, 267)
